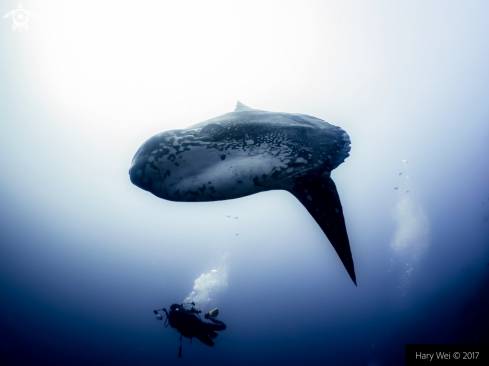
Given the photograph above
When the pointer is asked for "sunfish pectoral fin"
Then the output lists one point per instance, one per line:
(241, 107)
(319, 196)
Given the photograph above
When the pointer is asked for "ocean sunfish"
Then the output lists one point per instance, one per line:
(246, 152)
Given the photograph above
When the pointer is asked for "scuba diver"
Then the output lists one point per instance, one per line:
(189, 323)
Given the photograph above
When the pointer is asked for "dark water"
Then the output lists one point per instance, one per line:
(85, 256)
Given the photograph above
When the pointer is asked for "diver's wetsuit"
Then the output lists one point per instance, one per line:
(190, 325)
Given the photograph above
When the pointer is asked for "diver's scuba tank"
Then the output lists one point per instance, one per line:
(213, 313)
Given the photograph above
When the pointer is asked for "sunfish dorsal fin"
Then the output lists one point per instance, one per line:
(241, 107)
(320, 197)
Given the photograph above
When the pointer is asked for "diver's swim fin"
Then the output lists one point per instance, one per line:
(319, 196)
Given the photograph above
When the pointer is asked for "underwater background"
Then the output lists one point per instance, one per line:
(85, 256)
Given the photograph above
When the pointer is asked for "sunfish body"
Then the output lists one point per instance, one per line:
(246, 152)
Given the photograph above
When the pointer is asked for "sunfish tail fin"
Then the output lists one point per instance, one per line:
(319, 196)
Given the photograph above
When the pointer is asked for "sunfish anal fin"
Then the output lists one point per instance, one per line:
(319, 196)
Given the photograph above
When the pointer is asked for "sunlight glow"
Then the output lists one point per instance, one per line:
(177, 63)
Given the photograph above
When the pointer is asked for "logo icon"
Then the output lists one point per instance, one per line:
(21, 17)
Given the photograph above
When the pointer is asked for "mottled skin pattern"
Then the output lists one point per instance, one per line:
(246, 152)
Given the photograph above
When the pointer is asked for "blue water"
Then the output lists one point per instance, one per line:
(85, 256)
